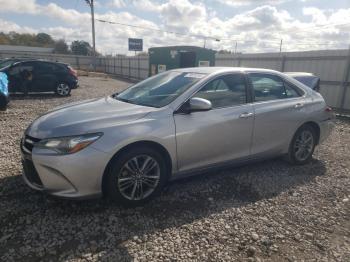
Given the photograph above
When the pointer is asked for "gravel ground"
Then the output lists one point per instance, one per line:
(268, 211)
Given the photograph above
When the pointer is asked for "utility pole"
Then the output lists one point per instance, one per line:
(235, 48)
(345, 82)
(281, 45)
(205, 41)
(91, 4)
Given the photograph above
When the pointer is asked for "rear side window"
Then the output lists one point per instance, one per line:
(291, 91)
(270, 87)
(43, 67)
(225, 91)
(60, 68)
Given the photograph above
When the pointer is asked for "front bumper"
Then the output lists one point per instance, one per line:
(76, 176)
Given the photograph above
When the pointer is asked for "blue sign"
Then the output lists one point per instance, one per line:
(135, 44)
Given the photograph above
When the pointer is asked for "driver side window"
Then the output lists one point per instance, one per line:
(15, 70)
(225, 91)
(18, 70)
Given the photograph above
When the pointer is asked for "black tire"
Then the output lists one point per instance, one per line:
(63, 89)
(118, 171)
(294, 155)
(3, 103)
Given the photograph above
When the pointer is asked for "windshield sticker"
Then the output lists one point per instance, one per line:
(195, 75)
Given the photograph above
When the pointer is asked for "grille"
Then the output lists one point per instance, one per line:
(31, 173)
(28, 144)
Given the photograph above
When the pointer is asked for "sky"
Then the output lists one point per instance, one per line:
(251, 25)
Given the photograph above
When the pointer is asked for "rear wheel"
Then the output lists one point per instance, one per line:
(63, 89)
(136, 176)
(302, 146)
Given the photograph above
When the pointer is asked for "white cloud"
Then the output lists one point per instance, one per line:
(249, 2)
(318, 16)
(19, 6)
(7, 26)
(256, 30)
(117, 3)
(182, 14)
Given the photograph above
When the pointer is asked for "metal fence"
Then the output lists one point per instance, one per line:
(333, 66)
(134, 67)
(79, 62)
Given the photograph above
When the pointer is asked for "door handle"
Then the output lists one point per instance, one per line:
(299, 105)
(245, 115)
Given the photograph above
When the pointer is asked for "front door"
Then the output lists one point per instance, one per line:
(221, 134)
(43, 79)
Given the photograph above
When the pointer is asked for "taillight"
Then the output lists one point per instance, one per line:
(72, 71)
(328, 109)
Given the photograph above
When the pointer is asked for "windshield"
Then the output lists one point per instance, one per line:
(309, 81)
(159, 90)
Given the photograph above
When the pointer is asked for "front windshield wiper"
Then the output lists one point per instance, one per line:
(115, 96)
(122, 99)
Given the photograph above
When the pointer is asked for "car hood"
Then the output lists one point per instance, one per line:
(85, 117)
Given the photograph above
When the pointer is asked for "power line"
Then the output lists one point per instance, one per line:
(91, 4)
(210, 37)
(158, 30)
(204, 37)
(289, 30)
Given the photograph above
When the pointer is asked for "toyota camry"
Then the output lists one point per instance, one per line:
(177, 123)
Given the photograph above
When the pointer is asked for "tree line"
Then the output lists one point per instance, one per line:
(59, 46)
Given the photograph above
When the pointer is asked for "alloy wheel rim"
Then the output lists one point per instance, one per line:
(139, 177)
(63, 89)
(303, 145)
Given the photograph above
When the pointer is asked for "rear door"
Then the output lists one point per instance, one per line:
(279, 111)
(44, 79)
(218, 135)
(14, 78)
(18, 74)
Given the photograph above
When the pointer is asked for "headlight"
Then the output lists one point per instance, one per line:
(68, 145)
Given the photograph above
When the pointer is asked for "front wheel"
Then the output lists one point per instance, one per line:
(302, 146)
(63, 89)
(136, 176)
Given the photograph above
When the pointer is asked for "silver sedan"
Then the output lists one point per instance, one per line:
(174, 124)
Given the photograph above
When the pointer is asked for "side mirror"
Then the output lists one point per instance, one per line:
(199, 104)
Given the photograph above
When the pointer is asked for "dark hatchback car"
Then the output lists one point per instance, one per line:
(41, 76)
(307, 79)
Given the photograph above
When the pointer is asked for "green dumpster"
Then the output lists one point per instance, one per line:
(171, 57)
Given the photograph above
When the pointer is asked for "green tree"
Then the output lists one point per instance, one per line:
(224, 52)
(44, 40)
(81, 48)
(4, 39)
(61, 47)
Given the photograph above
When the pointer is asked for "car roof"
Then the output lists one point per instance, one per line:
(18, 59)
(217, 69)
(293, 74)
(39, 60)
